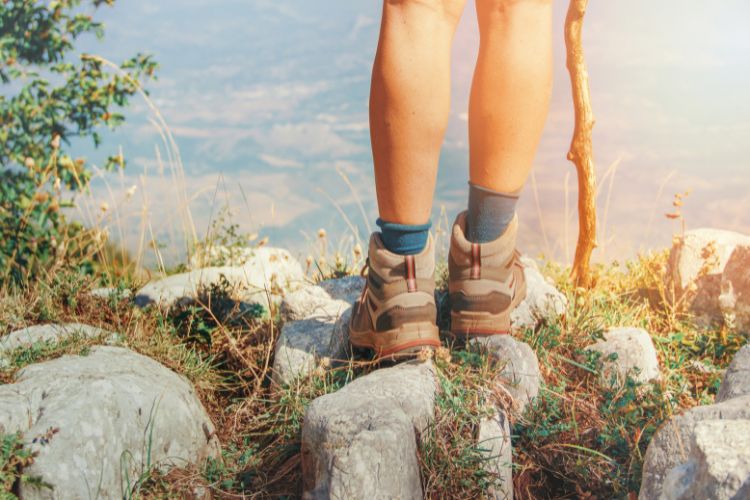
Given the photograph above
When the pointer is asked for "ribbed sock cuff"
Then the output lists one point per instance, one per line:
(490, 213)
(404, 239)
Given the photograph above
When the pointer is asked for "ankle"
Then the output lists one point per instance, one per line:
(404, 239)
(490, 213)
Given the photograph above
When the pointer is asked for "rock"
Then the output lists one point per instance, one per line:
(40, 334)
(520, 375)
(634, 354)
(93, 418)
(303, 303)
(316, 327)
(734, 300)
(696, 264)
(543, 301)
(718, 466)
(210, 255)
(111, 292)
(674, 442)
(736, 381)
(306, 343)
(700, 367)
(494, 440)
(361, 442)
(270, 271)
(348, 288)
(311, 300)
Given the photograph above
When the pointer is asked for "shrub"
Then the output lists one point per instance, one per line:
(52, 94)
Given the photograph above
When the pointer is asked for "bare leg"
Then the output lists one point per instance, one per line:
(510, 92)
(410, 103)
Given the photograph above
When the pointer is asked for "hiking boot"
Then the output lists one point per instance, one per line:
(486, 282)
(396, 313)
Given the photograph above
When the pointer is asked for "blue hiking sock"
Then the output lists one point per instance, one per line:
(490, 213)
(404, 239)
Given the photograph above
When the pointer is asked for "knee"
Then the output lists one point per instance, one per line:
(450, 10)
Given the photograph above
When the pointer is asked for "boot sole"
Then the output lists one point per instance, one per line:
(404, 342)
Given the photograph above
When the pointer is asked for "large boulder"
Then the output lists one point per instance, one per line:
(736, 381)
(697, 262)
(269, 273)
(705, 452)
(361, 442)
(543, 301)
(673, 443)
(718, 466)
(316, 327)
(627, 352)
(734, 300)
(99, 421)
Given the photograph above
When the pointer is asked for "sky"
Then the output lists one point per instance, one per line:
(267, 103)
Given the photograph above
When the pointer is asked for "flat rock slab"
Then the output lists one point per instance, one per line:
(675, 443)
(718, 466)
(316, 327)
(361, 442)
(634, 353)
(50, 333)
(93, 418)
(520, 375)
(271, 272)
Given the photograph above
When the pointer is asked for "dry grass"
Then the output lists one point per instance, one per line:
(581, 438)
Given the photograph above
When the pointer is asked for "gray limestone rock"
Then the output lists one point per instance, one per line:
(494, 440)
(50, 333)
(313, 300)
(270, 272)
(520, 375)
(304, 303)
(696, 264)
(361, 442)
(304, 344)
(734, 299)
(111, 292)
(718, 466)
(99, 421)
(673, 445)
(347, 288)
(634, 354)
(543, 301)
(736, 381)
(316, 327)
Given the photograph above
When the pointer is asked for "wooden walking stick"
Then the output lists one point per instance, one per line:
(581, 150)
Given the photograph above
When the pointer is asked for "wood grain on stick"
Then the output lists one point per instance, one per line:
(581, 150)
